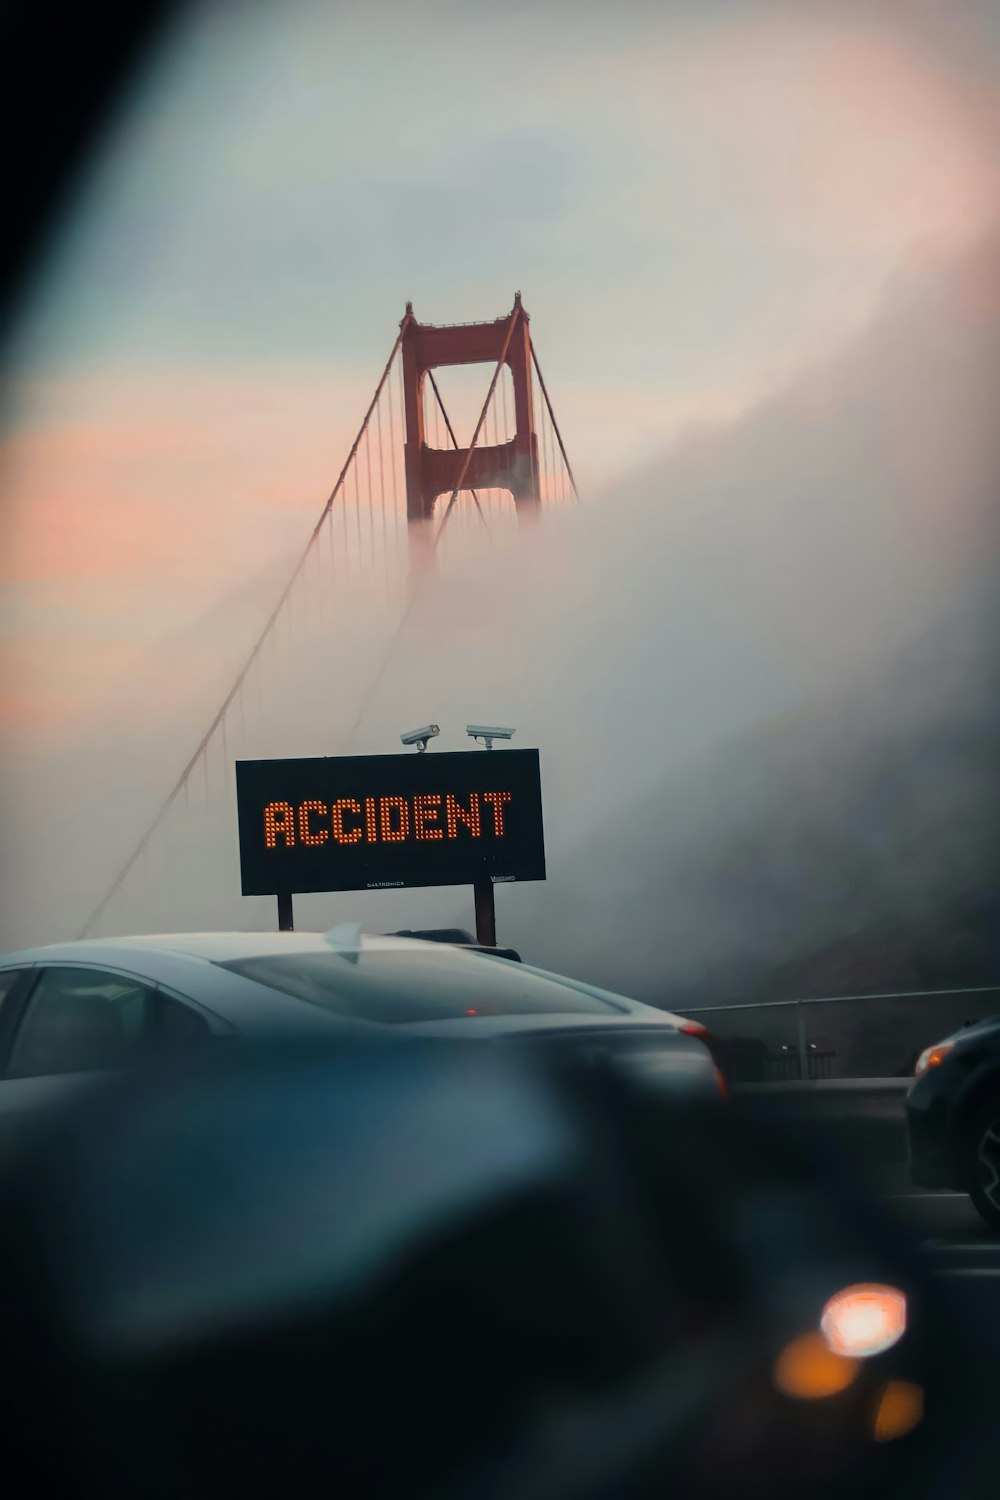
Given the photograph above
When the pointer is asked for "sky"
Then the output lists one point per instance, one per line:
(697, 201)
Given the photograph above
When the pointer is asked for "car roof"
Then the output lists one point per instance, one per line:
(221, 947)
(168, 958)
(986, 1026)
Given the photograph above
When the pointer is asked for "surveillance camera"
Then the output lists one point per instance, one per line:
(480, 732)
(488, 733)
(419, 737)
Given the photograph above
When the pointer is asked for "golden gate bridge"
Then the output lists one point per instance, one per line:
(410, 496)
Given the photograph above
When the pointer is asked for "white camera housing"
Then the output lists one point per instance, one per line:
(419, 737)
(488, 733)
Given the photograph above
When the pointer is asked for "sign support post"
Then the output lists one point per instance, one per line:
(486, 915)
(285, 919)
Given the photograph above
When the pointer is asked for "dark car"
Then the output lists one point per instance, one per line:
(456, 937)
(953, 1116)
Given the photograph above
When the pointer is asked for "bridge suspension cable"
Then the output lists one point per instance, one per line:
(454, 440)
(181, 783)
(555, 424)
(359, 466)
(460, 481)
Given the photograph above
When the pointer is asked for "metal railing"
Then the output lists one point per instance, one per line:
(880, 1037)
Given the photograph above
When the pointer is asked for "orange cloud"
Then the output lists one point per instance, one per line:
(161, 476)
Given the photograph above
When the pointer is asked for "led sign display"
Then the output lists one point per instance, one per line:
(367, 822)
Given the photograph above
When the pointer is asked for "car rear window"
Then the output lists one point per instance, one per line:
(402, 987)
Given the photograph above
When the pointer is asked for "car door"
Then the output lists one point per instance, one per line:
(70, 1025)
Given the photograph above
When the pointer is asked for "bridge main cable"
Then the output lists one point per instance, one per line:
(515, 314)
(255, 650)
(454, 439)
(552, 419)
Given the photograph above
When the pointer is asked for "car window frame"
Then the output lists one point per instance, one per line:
(17, 1004)
(215, 1023)
(13, 1008)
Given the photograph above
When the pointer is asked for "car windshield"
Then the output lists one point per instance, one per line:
(400, 987)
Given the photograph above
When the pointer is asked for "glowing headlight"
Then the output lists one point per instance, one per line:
(932, 1057)
(864, 1320)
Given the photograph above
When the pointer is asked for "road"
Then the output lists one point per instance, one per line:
(965, 1260)
(956, 1244)
(945, 1222)
(865, 1119)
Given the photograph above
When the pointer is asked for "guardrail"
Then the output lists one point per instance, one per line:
(858, 1036)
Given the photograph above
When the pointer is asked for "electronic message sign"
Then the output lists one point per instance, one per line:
(371, 822)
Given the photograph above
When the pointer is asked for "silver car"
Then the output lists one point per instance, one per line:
(72, 1011)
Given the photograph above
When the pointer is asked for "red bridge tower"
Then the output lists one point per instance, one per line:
(513, 465)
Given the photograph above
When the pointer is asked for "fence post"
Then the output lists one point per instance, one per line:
(800, 1022)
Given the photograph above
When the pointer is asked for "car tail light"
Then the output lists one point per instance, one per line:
(696, 1029)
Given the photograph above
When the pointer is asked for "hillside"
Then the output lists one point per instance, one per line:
(819, 634)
